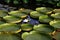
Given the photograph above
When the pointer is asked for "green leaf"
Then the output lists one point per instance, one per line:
(7, 1)
(9, 37)
(9, 27)
(24, 35)
(1, 22)
(56, 15)
(3, 13)
(16, 1)
(25, 1)
(27, 11)
(37, 36)
(55, 23)
(44, 10)
(26, 27)
(35, 14)
(56, 10)
(18, 14)
(43, 28)
(45, 19)
(12, 19)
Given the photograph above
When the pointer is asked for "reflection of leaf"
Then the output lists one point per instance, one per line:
(8, 27)
(9, 37)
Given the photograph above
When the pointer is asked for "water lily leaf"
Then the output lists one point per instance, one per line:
(56, 10)
(56, 15)
(44, 10)
(9, 27)
(55, 23)
(1, 22)
(9, 37)
(24, 35)
(43, 28)
(27, 11)
(18, 14)
(37, 36)
(35, 14)
(12, 19)
(3, 13)
(45, 19)
(26, 27)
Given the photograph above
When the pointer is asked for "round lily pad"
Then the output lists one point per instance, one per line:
(3, 13)
(56, 15)
(26, 27)
(1, 22)
(44, 10)
(18, 14)
(27, 11)
(9, 37)
(36, 36)
(10, 27)
(45, 18)
(43, 28)
(56, 10)
(55, 23)
(35, 14)
(12, 19)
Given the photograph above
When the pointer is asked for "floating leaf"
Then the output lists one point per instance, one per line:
(3, 13)
(26, 27)
(45, 19)
(18, 14)
(55, 23)
(43, 28)
(56, 15)
(9, 37)
(8, 27)
(36, 36)
(27, 11)
(12, 19)
(44, 10)
(35, 14)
